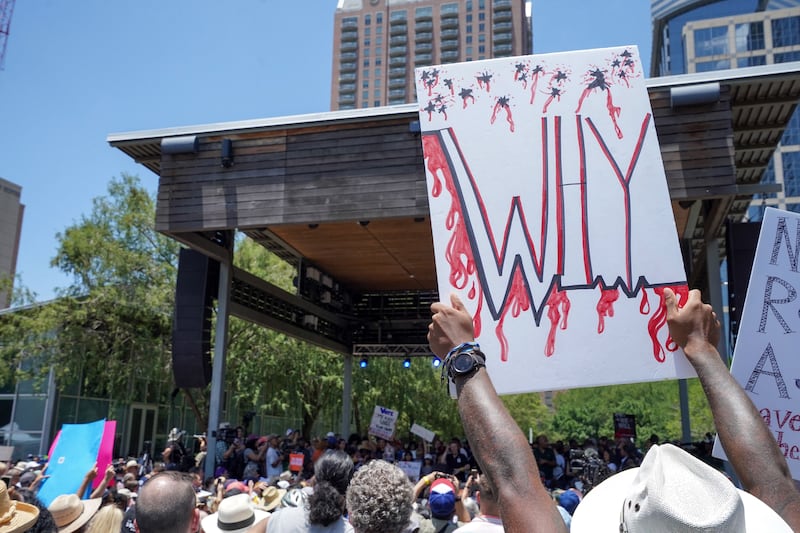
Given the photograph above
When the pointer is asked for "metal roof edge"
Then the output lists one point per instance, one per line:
(725, 76)
(122, 138)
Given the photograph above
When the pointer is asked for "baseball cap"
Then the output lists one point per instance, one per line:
(442, 498)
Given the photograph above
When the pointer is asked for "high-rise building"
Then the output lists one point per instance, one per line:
(698, 36)
(378, 43)
(11, 211)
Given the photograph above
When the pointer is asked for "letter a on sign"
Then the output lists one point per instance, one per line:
(765, 361)
(551, 216)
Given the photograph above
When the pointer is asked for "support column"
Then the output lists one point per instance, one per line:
(347, 394)
(218, 369)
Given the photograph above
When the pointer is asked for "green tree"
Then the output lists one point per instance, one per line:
(113, 322)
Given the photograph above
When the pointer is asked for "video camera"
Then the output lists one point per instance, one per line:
(228, 435)
(588, 466)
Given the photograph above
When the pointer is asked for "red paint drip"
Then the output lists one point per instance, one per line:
(605, 307)
(644, 306)
(458, 252)
(659, 320)
(517, 302)
(557, 303)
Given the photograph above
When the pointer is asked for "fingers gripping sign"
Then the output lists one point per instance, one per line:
(694, 322)
(450, 326)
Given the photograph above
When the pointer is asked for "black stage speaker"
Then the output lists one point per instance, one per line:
(741, 239)
(195, 291)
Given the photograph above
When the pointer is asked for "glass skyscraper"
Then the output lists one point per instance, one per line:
(701, 36)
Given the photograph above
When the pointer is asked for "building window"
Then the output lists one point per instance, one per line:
(481, 16)
(365, 103)
(707, 66)
(423, 12)
(791, 173)
(469, 51)
(367, 20)
(449, 8)
(367, 42)
(791, 135)
(481, 38)
(365, 84)
(366, 52)
(469, 28)
(469, 39)
(481, 27)
(379, 52)
(376, 103)
(379, 30)
(750, 36)
(365, 96)
(378, 61)
(378, 40)
(379, 18)
(469, 5)
(377, 92)
(482, 49)
(377, 74)
(785, 57)
(785, 32)
(367, 32)
(366, 62)
(469, 17)
(481, 4)
(398, 15)
(711, 41)
(751, 61)
(365, 73)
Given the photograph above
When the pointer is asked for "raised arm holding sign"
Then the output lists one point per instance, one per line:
(748, 443)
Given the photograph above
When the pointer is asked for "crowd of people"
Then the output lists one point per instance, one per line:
(493, 480)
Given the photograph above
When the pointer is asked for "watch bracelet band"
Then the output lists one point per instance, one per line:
(477, 355)
(464, 346)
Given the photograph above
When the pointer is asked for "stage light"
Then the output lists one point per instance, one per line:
(406, 363)
(436, 362)
(363, 363)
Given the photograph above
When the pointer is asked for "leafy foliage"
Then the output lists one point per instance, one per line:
(114, 320)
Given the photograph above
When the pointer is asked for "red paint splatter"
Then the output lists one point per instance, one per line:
(659, 320)
(558, 312)
(605, 306)
(502, 103)
(458, 252)
(613, 112)
(644, 306)
(518, 301)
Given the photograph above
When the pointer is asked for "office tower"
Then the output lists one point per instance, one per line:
(10, 227)
(378, 43)
(700, 36)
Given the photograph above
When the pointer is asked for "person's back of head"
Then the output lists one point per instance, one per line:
(332, 473)
(108, 518)
(379, 499)
(166, 504)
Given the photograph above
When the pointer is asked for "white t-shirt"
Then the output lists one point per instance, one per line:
(481, 523)
(295, 520)
(272, 456)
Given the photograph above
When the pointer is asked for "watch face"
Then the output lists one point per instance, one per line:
(463, 363)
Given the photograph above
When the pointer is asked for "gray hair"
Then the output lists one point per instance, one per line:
(379, 499)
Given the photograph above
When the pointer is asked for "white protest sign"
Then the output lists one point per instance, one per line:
(383, 422)
(765, 359)
(551, 216)
(425, 433)
(411, 469)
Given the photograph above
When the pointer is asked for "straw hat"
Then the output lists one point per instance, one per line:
(271, 498)
(70, 512)
(15, 516)
(672, 491)
(235, 515)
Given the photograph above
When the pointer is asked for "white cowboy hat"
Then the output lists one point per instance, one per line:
(235, 515)
(15, 516)
(672, 491)
(70, 512)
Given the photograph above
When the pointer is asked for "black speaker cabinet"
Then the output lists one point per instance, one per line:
(195, 291)
(741, 238)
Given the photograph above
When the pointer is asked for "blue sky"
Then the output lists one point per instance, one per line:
(77, 71)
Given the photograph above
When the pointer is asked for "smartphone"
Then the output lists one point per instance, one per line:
(474, 473)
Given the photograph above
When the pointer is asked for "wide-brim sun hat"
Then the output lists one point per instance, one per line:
(70, 512)
(235, 515)
(672, 491)
(15, 516)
